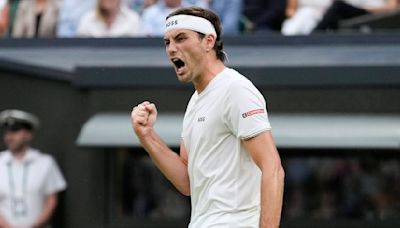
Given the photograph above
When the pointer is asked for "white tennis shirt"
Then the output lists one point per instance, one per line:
(224, 180)
(24, 185)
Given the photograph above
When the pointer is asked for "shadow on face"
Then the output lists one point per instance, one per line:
(17, 140)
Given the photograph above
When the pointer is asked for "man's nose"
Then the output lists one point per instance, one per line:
(171, 49)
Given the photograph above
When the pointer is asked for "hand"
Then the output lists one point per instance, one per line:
(143, 118)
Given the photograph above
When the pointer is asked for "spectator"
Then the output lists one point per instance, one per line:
(36, 18)
(228, 10)
(265, 16)
(154, 16)
(109, 19)
(346, 9)
(303, 16)
(29, 180)
(71, 12)
(3, 17)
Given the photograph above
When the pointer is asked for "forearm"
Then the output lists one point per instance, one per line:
(47, 212)
(168, 162)
(389, 6)
(271, 197)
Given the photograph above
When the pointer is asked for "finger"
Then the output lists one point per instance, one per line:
(142, 107)
(151, 108)
(139, 120)
(145, 103)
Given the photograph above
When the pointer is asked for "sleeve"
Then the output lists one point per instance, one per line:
(55, 181)
(246, 115)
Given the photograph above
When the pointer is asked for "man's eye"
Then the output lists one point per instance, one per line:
(180, 39)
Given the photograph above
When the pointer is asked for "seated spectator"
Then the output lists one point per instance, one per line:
(71, 12)
(12, 11)
(265, 16)
(340, 10)
(303, 16)
(153, 18)
(36, 18)
(229, 12)
(3, 17)
(110, 19)
(140, 5)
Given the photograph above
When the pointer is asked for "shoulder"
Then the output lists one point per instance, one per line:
(130, 14)
(235, 80)
(3, 155)
(43, 158)
(239, 88)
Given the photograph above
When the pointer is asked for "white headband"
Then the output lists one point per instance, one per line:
(194, 23)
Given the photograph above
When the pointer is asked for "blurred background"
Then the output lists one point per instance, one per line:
(330, 72)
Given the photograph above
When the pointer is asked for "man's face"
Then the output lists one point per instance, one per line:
(187, 52)
(17, 140)
(109, 4)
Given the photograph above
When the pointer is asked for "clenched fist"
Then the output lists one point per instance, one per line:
(143, 118)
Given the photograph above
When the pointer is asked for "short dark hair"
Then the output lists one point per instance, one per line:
(210, 16)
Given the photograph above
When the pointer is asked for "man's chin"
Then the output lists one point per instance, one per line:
(183, 78)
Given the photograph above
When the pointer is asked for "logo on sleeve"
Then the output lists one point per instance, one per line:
(201, 119)
(253, 112)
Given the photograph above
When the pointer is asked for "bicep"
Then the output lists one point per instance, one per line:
(263, 150)
(52, 199)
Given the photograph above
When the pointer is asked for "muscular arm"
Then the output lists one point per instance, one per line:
(264, 153)
(172, 165)
(48, 209)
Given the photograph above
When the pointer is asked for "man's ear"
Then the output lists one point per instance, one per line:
(210, 42)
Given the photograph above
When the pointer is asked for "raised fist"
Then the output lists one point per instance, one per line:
(143, 118)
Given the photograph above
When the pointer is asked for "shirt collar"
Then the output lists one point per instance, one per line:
(29, 157)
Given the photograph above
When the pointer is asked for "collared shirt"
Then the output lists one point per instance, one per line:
(25, 183)
(153, 18)
(224, 180)
(126, 24)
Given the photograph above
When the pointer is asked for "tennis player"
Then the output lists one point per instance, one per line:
(228, 162)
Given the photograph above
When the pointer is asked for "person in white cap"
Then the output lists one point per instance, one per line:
(228, 162)
(29, 179)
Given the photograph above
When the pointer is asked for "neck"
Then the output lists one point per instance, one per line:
(109, 15)
(212, 69)
(19, 154)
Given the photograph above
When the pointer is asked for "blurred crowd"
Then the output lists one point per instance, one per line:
(145, 18)
(320, 188)
(348, 188)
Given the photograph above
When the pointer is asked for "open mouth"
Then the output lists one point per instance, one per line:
(179, 64)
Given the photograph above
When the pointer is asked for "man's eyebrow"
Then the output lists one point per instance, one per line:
(179, 34)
